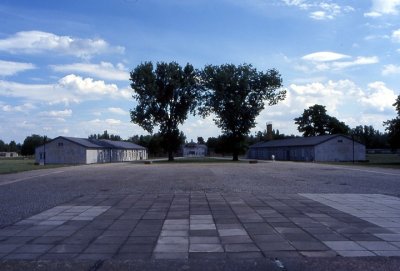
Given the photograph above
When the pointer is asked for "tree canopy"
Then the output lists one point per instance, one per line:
(31, 142)
(165, 96)
(393, 127)
(236, 95)
(315, 121)
(371, 138)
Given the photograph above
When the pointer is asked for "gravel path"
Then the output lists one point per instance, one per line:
(27, 193)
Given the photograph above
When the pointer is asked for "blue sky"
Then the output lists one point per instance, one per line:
(64, 65)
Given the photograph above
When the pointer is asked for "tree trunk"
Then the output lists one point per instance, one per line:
(235, 155)
(170, 156)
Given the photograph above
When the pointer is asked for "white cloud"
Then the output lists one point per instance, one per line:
(69, 89)
(297, 3)
(320, 10)
(320, 15)
(357, 62)
(379, 96)
(382, 7)
(64, 131)
(391, 69)
(377, 37)
(113, 121)
(343, 99)
(104, 70)
(322, 61)
(8, 68)
(117, 110)
(87, 86)
(324, 56)
(396, 36)
(106, 121)
(57, 114)
(35, 42)
(330, 94)
(316, 9)
(372, 14)
(19, 108)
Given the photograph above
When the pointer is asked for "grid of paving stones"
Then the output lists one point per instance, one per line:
(207, 225)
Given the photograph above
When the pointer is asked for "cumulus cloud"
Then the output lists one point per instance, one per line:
(35, 42)
(104, 70)
(379, 96)
(330, 94)
(8, 68)
(87, 86)
(382, 7)
(343, 99)
(69, 89)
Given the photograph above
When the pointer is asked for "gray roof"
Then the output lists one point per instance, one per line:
(81, 141)
(103, 143)
(297, 141)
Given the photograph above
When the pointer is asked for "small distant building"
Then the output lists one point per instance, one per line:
(193, 149)
(72, 150)
(316, 148)
(8, 154)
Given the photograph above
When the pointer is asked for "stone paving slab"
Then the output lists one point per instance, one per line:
(197, 225)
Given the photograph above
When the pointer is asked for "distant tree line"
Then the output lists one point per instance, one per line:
(26, 148)
(105, 135)
(10, 147)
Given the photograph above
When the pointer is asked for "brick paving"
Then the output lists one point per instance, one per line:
(208, 225)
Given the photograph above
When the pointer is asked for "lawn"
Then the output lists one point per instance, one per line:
(384, 160)
(377, 160)
(13, 165)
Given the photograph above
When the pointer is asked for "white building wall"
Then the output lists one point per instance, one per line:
(197, 151)
(340, 149)
(60, 151)
(92, 156)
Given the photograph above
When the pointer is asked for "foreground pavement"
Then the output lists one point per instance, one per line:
(201, 230)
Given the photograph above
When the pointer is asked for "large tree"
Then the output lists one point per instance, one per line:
(393, 127)
(236, 95)
(315, 121)
(165, 95)
(31, 142)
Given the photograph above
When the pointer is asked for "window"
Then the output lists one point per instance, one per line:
(60, 144)
(340, 141)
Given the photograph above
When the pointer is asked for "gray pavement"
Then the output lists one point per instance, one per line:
(266, 216)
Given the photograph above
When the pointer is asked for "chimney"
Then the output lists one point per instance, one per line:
(269, 131)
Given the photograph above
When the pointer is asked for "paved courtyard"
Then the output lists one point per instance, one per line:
(212, 219)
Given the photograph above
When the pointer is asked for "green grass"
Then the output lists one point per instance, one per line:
(13, 165)
(377, 160)
(384, 160)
